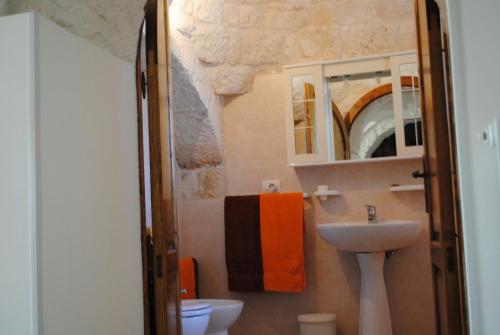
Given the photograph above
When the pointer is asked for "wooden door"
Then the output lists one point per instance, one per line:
(161, 299)
(440, 174)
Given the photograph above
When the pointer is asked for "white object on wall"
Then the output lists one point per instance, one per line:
(271, 186)
(323, 192)
(407, 188)
(493, 138)
(69, 209)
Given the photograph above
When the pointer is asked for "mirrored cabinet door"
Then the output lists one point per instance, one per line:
(408, 116)
(363, 125)
(355, 109)
(305, 115)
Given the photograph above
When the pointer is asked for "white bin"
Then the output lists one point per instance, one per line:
(317, 324)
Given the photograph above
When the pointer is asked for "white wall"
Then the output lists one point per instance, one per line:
(70, 255)
(17, 182)
(90, 255)
(475, 50)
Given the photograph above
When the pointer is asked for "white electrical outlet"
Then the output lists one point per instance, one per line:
(271, 186)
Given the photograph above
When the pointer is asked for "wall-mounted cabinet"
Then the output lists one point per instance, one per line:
(353, 110)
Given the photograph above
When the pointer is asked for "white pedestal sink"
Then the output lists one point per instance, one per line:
(370, 241)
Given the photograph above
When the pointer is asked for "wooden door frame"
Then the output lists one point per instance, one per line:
(142, 192)
(165, 259)
(446, 235)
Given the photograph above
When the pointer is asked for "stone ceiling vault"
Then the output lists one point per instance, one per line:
(219, 46)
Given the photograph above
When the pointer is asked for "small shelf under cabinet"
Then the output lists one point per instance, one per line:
(327, 193)
(406, 188)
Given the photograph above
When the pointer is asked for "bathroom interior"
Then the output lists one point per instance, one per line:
(242, 167)
(269, 48)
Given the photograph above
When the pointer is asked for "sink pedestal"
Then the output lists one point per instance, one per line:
(374, 316)
(370, 241)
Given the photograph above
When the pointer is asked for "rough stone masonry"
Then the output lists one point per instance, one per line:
(220, 45)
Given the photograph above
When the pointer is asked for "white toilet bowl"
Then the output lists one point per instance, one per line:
(224, 314)
(195, 316)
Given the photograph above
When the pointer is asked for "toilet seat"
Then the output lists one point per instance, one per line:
(224, 315)
(190, 308)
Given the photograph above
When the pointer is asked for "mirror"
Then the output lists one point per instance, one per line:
(410, 93)
(353, 110)
(304, 114)
(366, 113)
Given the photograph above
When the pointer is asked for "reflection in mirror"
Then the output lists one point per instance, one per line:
(340, 134)
(412, 116)
(363, 113)
(304, 114)
(364, 102)
(372, 132)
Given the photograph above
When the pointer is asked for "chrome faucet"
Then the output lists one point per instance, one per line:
(372, 213)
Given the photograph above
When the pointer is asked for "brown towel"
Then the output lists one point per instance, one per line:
(243, 247)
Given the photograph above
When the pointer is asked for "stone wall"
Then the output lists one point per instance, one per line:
(223, 44)
(3, 6)
(114, 25)
(198, 147)
(220, 45)
(110, 24)
(235, 39)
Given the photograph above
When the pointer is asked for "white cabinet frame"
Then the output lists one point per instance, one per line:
(321, 71)
(323, 133)
(396, 62)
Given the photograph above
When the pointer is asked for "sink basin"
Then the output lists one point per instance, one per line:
(370, 237)
(370, 241)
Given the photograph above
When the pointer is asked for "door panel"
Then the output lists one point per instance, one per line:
(443, 204)
(169, 232)
(161, 298)
(146, 238)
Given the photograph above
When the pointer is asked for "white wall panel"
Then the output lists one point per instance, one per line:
(475, 55)
(17, 177)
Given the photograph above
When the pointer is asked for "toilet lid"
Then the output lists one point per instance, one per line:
(194, 308)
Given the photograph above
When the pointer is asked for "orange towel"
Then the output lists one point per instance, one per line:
(282, 238)
(187, 273)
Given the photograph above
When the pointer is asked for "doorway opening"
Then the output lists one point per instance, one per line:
(158, 229)
(159, 232)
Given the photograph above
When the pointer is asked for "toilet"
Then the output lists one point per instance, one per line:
(224, 314)
(195, 316)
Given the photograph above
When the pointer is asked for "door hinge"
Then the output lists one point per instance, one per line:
(446, 236)
(450, 235)
(144, 84)
(434, 235)
(452, 258)
(427, 187)
(159, 266)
